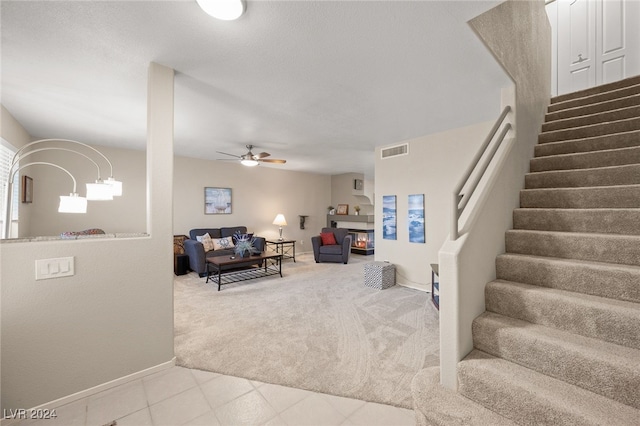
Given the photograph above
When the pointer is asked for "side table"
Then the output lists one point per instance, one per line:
(287, 248)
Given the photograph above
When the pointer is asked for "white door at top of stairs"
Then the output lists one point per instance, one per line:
(598, 42)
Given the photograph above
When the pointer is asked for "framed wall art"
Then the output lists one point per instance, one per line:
(415, 218)
(343, 209)
(27, 189)
(217, 200)
(389, 217)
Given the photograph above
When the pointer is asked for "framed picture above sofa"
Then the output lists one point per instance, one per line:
(217, 200)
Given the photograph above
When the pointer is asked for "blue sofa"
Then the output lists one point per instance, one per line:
(197, 255)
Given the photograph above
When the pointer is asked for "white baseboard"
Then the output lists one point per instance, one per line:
(96, 389)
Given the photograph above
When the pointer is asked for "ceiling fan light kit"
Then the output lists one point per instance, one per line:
(226, 10)
(251, 160)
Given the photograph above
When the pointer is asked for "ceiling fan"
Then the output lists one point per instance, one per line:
(250, 159)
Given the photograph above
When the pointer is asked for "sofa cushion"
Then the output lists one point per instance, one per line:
(228, 232)
(206, 241)
(328, 239)
(223, 243)
(332, 249)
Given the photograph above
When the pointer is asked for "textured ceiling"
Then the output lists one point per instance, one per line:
(318, 83)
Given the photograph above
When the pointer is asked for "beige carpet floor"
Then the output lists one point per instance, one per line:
(317, 328)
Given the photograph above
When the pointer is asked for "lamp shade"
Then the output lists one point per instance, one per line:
(72, 204)
(280, 220)
(116, 186)
(226, 10)
(99, 191)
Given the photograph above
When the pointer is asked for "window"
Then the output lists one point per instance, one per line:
(7, 152)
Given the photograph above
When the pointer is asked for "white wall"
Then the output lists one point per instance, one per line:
(433, 167)
(114, 317)
(258, 195)
(519, 36)
(342, 192)
(13, 132)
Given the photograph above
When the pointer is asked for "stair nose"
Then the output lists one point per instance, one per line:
(608, 280)
(609, 221)
(587, 160)
(603, 368)
(586, 120)
(604, 106)
(528, 397)
(609, 320)
(612, 89)
(600, 129)
(622, 196)
(628, 174)
(621, 249)
(597, 143)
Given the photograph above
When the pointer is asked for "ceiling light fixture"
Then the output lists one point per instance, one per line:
(226, 10)
(248, 162)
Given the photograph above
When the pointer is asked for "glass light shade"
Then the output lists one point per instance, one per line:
(227, 10)
(249, 163)
(280, 220)
(116, 186)
(72, 204)
(99, 191)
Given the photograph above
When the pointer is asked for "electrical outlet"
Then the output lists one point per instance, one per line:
(54, 268)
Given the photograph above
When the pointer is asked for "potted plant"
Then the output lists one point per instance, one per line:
(244, 245)
(357, 209)
(331, 209)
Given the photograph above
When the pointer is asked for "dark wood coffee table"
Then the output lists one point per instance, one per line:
(221, 270)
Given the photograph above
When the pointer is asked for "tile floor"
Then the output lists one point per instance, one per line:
(181, 396)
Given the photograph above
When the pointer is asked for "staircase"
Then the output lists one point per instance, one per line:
(559, 343)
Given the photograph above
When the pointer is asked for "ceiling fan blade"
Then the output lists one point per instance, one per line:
(261, 155)
(224, 153)
(273, 161)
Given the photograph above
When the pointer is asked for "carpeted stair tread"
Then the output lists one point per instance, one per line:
(610, 221)
(585, 160)
(598, 129)
(628, 174)
(530, 398)
(604, 368)
(585, 94)
(623, 92)
(609, 280)
(596, 143)
(610, 320)
(436, 405)
(618, 196)
(586, 120)
(611, 248)
(582, 110)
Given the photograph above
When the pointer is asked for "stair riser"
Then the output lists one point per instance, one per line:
(621, 140)
(603, 117)
(604, 321)
(593, 109)
(598, 94)
(571, 363)
(606, 176)
(587, 160)
(613, 221)
(600, 129)
(611, 281)
(582, 198)
(620, 249)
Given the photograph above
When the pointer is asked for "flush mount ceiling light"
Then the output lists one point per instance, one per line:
(227, 10)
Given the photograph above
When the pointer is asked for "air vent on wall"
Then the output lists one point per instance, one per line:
(394, 151)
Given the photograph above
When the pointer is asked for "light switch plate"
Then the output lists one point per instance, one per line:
(54, 268)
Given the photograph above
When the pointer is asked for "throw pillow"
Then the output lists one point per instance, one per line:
(328, 239)
(223, 243)
(206, 241)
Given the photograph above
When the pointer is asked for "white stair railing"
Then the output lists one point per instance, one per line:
(476, 171)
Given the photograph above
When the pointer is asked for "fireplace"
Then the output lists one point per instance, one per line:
(361, 241)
